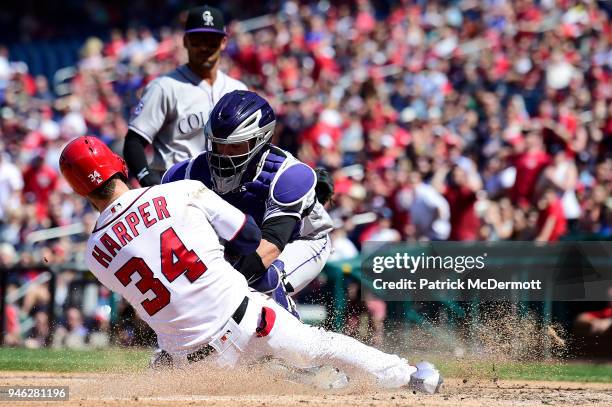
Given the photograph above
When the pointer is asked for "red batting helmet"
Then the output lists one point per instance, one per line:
(87, 162)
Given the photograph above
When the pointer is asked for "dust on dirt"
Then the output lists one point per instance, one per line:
(496, 335)
(204, 387)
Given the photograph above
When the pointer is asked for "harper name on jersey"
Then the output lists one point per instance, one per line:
(128, 228)
(279, 185)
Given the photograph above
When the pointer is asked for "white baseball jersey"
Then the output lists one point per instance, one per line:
(159, 248)
(173, 111)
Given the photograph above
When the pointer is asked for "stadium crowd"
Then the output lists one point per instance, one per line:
(475, 120)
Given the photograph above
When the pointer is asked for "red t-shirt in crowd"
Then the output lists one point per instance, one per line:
(113, 48)
(12, 319)
(528, 166)
(322, 137)
(40, 182)
(554, 209)
(464, 223)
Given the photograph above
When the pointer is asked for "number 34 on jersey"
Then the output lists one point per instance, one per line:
(175, 258)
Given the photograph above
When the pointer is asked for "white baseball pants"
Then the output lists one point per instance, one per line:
(304, 260)
(304, 345)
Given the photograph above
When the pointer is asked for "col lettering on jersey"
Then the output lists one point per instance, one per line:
(191, 123)
(173, 111)
(160, 249)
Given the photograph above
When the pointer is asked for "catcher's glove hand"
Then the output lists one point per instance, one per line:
(325, 186)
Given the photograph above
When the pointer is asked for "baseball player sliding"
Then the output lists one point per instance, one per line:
(160, 248)
(175, 107)
(277, 190)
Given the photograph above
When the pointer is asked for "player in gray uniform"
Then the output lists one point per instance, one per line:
(175, 107)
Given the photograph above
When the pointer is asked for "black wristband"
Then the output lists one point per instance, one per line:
(150, 179)
(252, 267)
(278, 230)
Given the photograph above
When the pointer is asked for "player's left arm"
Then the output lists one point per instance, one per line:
(292, 196)
(275, 234)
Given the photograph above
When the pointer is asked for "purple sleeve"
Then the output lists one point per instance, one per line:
(247, 238)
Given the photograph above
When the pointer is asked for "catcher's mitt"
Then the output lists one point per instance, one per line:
(325, 186)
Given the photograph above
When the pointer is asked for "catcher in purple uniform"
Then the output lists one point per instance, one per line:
(284, 196)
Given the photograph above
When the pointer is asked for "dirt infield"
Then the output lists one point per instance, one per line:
(253, 388)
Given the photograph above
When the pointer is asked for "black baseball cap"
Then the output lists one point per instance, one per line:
(205, 19)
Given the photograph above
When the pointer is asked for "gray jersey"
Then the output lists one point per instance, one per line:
(173, 111)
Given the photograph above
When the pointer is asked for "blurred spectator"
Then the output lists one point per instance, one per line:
(381, 230)
(429, 210)
(5, 70)
(37, 297)
(73, 334)
(11, 184)
(114, 47)
(91, 55)
(562, 175)
(39, 183)
(593, 330)
(595, 323)
(343, 247)
(529, 163)
(461, 196)
(551, 220)
(100, 334)
(8, 255)
(12, 327)
(38, 336)
(498, 221)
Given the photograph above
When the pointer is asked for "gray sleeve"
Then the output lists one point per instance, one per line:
(150, 113)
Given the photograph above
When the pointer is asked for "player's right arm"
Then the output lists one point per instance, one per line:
(136, 159)
(146, 121)
(107, 279)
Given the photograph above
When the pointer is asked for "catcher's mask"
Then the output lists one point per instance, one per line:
(240, 124)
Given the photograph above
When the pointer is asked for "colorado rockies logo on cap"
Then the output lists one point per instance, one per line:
(205, 19)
